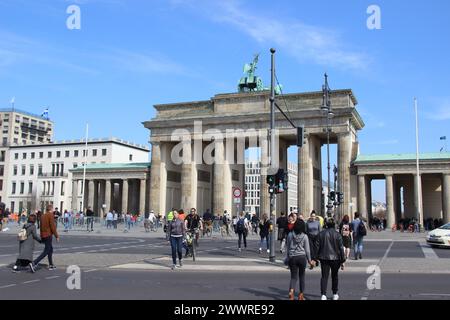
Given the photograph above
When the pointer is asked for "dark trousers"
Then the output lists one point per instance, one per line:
(326, 266)
(242, 235)
(48, 251)
(90, 220)
(176, 243)
(314, 246)
(297, 265)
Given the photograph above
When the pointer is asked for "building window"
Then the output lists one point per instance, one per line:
(40, 170)
(75, 165)
(62, 169)
(13, 191)
(15, 171)
(41, 155)
(5, 142)
(24, 169)
(16, 141)
(1, 185)
(58, 154)
(53, 169)
(2, 156)
(13, 206)
(16, 156)
(22, 188)
(75, 153)
(63, 184)
(84, 153)
(24, 156)
(31, 170)
(49, 154)
(2, 171)
(94, 152)
(30, 187)
(67, 154)
(104, 152)
(131, 157)
(33, 155)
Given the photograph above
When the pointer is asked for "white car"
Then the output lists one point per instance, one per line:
(440, 236)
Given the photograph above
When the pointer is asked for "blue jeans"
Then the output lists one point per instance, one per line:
(48, 251)
(176, 243)
(262, 242)
(358, 243)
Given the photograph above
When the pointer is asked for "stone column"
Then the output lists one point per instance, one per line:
(91, 194)
(446, 197)
(75, 195)
(362, 199)
(344, 158)
(108, 195)
(158, 178)
(390, 214)
(124, 195)
(219, 157)
(418, 201)
(142, 193)
(305, 180)
(188, 179)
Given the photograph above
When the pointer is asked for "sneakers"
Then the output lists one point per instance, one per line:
(32, 267)
(324, 297)
(51, 268)
(173, 267)
(259, 250)
(360, 256)
(268, 251)
(15, 269)
(335, 297)
(301, 297)
(181, 264)
(239, 249)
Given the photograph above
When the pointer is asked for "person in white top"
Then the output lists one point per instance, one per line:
(109, 220)
(115, 218)
(152, 220)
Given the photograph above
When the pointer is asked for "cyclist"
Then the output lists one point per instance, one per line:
(193, 224)
(208, 219)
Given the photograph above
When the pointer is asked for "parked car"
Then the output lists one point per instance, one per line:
(440, 236)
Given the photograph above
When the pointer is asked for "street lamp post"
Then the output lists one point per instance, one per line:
(272, 152)
(326, 107)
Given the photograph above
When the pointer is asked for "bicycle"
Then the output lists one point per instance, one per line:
(192, 242)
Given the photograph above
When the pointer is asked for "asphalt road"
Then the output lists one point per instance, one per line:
(138, 268)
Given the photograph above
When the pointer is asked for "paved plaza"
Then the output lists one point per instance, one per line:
(136, 265)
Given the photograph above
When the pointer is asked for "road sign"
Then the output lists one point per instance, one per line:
(237, 192)
(237, 200)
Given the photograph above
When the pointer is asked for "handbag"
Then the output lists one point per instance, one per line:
(22, 235)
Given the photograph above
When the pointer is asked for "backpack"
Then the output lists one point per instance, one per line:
(362, 231)
(345, 230)
(240, 226)
(22, 235)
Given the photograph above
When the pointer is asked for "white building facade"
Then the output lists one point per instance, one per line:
(252, 186)
(40, 174)
(18, 128)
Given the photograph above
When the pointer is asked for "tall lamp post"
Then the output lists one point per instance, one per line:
(326, 108)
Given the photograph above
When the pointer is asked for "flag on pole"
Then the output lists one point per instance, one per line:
(13, 99)
(441, 149)
(45, 114)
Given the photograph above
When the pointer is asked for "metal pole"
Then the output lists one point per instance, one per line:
(419, 184)
(84, 168)
(272, 152)
(327, 108)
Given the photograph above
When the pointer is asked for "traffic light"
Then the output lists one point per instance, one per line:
(300, 136)
(332, 196)
(340, 198)
(280, 181)
(277, 183)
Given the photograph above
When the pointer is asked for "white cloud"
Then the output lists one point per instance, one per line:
(387, 142)
(441, 112)
(304, 42)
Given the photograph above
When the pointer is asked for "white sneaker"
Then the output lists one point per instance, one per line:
(240, 249)
(335, 297)
(268, 251)
(260, 250)
(324, 298)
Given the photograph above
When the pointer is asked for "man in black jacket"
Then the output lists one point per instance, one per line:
(90, 218)
(331, 256)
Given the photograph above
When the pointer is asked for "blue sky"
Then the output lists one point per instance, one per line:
(130, 55)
